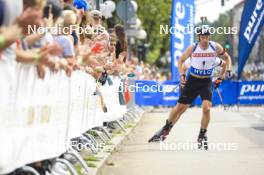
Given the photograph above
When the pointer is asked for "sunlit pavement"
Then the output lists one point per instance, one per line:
(236, 145)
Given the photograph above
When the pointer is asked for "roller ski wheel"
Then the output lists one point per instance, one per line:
(202, 143)
(161, 134)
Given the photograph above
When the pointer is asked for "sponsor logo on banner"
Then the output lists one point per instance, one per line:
(251, 92)
(252, 88)
(182, 15)
(252, 21)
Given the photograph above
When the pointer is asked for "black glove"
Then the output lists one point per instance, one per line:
(229, 74)
(217, 82)
(182, 83)
(183, 79)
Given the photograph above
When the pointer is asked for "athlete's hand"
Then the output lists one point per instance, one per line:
(228, 74)
(217, 82)
(183, 79)
(183, 82)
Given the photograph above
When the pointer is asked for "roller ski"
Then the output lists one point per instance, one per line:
(162, 134)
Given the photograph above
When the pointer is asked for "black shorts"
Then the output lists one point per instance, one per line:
(194, 87)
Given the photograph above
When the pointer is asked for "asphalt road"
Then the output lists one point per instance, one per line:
(236, 145)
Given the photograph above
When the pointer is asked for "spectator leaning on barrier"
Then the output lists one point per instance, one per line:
(98, 52)
(64, 37)
(31, 15)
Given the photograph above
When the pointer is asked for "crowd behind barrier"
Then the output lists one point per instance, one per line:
(166, 93)
(56, 85)
(60, 82)
(38, 118)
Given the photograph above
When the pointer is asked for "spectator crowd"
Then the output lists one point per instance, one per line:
(70, 35)
(62, 35)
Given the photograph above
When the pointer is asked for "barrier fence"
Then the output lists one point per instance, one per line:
(38, 118)
(166, 93)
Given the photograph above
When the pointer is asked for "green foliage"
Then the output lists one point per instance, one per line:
(92, 158)
(92, 165)
(152, 14)
(224, 20)
(78, 168)
(153, 55)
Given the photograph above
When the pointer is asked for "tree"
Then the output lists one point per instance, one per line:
(152, 14)
(224, 20)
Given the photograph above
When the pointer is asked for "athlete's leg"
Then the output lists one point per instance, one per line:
(206, 106)
(206, 95)
(175, 114)
(184, 102)
(177, 111)
(188, 94)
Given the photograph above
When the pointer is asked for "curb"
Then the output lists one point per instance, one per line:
(108, 150)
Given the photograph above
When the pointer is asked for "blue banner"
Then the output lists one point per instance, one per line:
(252, 20)
(148, 93)
(152, 93)
(251, 92)
(170, 93)
(182, 23)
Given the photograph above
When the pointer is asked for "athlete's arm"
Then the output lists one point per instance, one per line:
(183, 57)
(186, 65)
(222, 53)
(223, 70)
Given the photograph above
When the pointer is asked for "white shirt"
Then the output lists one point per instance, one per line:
(203, 62)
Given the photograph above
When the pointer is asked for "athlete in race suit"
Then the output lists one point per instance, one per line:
(187, 65)
(203, 60)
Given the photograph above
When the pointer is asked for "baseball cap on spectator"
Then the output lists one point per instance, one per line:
(96, 14)
(81, 4)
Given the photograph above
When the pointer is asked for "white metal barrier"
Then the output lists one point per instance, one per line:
(39, 117)
(112, 101)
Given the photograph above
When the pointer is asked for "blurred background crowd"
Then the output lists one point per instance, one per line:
(86, 39)
(66, 35)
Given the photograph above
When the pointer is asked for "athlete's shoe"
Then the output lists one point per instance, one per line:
(162, 133)
(202, 140)
(202, 143)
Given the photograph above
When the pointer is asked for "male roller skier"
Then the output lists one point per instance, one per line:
(203, 60)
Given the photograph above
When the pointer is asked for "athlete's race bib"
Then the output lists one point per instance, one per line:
(201, 72)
